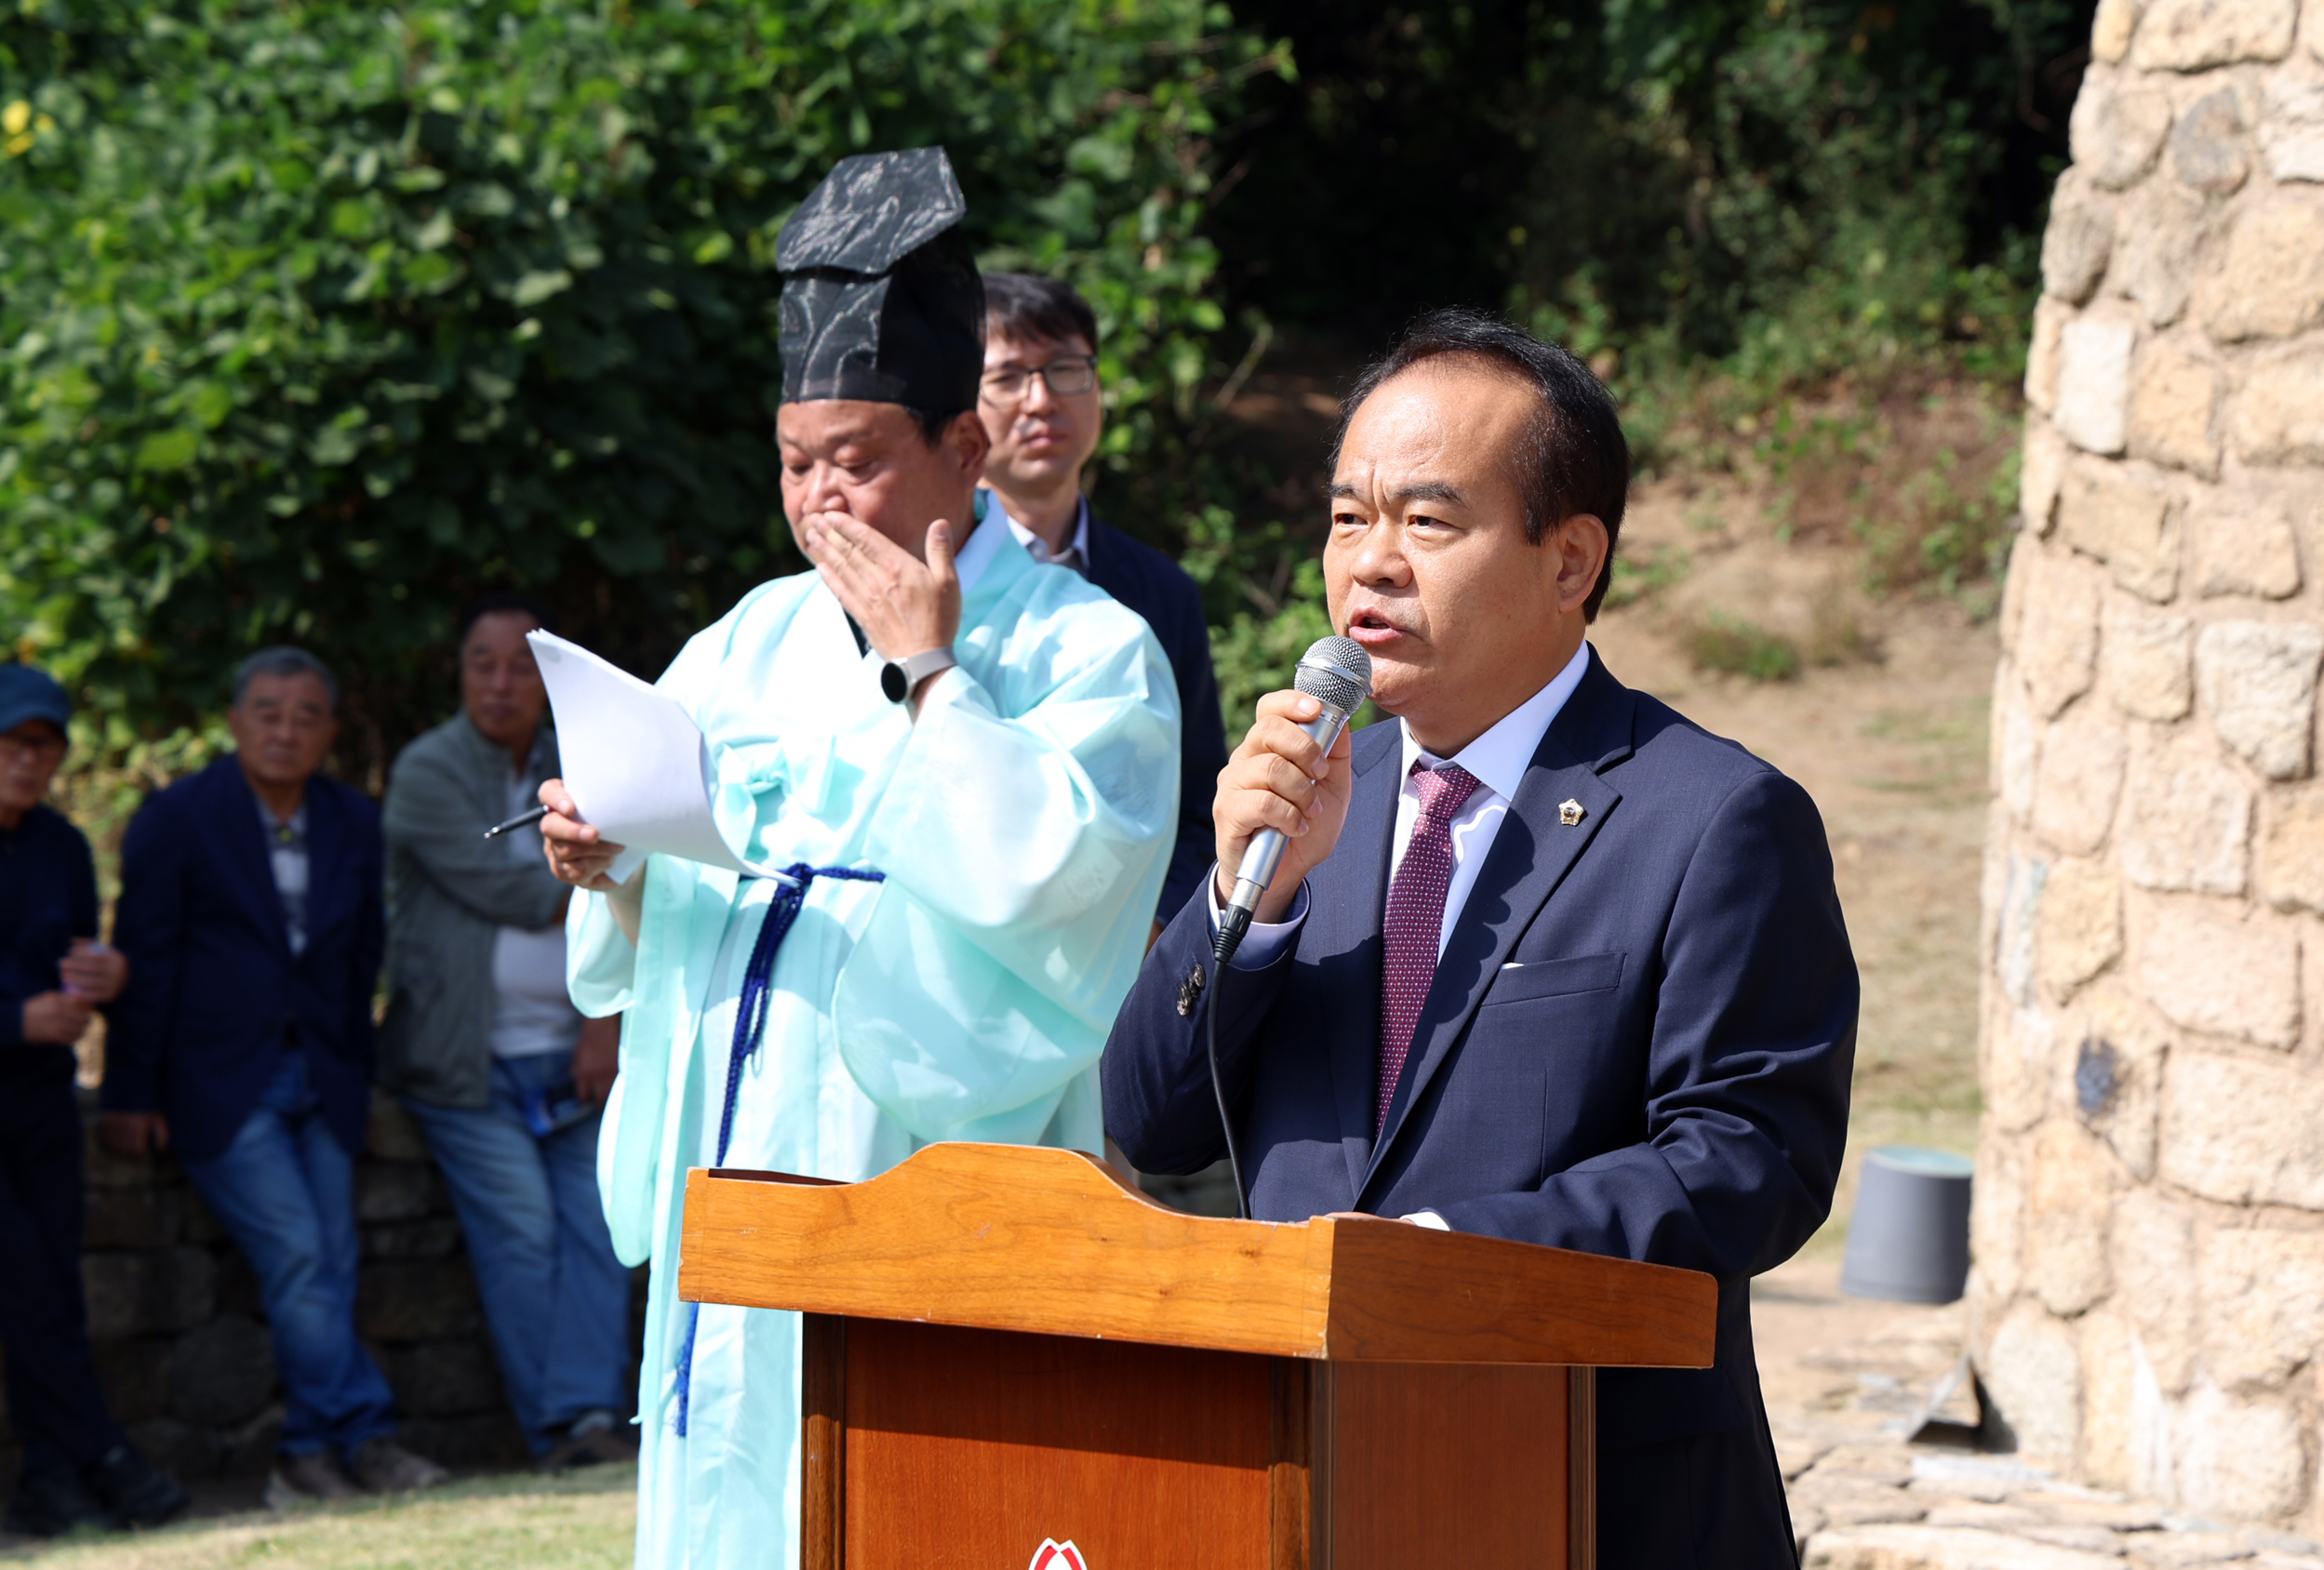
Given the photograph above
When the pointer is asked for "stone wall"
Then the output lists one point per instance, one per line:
(2148, 1299)
(182, 1342)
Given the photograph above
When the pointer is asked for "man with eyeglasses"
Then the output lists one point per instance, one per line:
(1042, 408)
(79, 1468)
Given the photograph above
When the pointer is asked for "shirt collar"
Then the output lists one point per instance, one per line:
(984, 543)
(1499, 758)
(295, 826)
(1035, 545)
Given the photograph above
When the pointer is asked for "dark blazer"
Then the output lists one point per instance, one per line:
(1638, 1044)
(1156, 588)
(214, 992)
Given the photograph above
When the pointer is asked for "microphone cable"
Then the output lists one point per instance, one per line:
(1337, 673)
(1223, 949)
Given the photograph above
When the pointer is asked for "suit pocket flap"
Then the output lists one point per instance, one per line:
(1549, 978)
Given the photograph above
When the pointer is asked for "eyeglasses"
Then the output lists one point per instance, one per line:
(15, 748)
(1075, 373)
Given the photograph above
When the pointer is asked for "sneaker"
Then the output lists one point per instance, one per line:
(132, 1491)
(310, 1478)
(51, 1502)
(594, 1439)
(384, 1467)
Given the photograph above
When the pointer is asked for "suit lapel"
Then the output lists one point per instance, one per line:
(247, 852)
(1349, 922)
(326, 832)
(1530, 857)
(1097, 564)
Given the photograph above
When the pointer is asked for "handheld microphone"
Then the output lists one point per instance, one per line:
(1338, 674)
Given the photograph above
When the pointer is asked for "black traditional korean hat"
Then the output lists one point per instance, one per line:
(883, 301)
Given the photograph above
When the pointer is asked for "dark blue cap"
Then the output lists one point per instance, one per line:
(27, 694)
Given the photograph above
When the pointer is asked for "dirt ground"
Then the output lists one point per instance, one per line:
(1890, 742)
(1889, 737)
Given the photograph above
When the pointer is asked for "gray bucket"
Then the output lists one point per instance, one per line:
(1909, 1239)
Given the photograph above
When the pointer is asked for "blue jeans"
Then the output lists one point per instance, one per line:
(284, 1192)
(556, 1299)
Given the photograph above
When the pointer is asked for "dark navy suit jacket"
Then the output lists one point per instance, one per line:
(214, 992)
(1637, 1043)
(1156, 588)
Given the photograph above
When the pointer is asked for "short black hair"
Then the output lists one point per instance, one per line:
(1576, 458)
(494, 603)
(1025, 305)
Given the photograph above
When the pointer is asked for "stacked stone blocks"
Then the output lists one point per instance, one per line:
(180, 1337)
(2148, 1299)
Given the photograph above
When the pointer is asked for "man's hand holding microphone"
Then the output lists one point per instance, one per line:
(1283, 795)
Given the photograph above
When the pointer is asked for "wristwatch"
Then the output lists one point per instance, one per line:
(897, 678)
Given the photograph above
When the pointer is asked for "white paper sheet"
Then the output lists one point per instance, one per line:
(634, 761)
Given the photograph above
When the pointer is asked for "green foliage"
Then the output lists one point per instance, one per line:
(1820, 208)
(1778, 189)
(1928, 485)
(322, 317)
(1801, 184)
(1639, 574)
(1729, 643)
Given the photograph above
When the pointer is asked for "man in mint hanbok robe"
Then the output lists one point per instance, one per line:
(996, 743)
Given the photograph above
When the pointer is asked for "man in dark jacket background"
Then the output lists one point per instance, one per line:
(1041, 406)
(78, 1466)
(250, 918)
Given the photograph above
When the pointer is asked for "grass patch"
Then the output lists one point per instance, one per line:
(1720, 642)
(1924, 480)
(1642, 575)
(581, 1521)
(1839, 639)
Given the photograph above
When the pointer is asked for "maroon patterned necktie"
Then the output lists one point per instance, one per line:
(1416, 918)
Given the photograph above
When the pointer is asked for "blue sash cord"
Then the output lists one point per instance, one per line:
(750, 1025)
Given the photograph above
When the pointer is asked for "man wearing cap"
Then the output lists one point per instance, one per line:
(78, 1466)
(967, 760)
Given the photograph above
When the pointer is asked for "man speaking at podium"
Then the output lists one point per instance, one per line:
(1541, 960)
(968, 764)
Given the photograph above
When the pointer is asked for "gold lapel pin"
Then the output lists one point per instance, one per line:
(1569, 812)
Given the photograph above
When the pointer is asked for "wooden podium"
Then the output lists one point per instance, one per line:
(1015, 1361)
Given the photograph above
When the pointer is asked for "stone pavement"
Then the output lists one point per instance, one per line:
(1847, 1380)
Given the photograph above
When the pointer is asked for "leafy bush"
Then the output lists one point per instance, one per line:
(1802, 179)
(1783, 189)
(1927, 483)
(322, 317)
(1726, 643)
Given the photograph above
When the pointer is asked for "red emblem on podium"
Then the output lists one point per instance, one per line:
(1054, 1555)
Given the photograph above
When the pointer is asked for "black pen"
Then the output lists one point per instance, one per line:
(535, 816)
